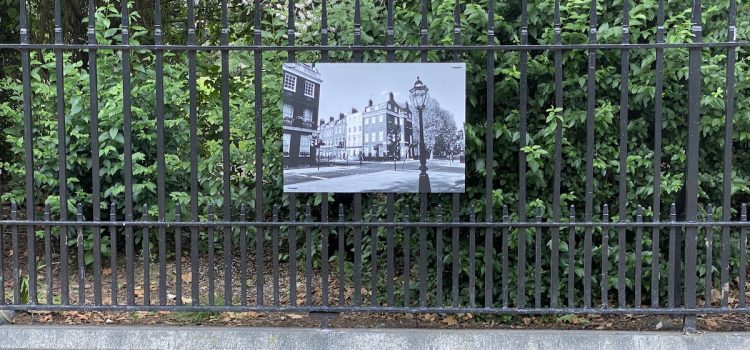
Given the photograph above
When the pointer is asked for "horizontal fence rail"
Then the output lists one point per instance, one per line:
(345, 256)
(367, 48)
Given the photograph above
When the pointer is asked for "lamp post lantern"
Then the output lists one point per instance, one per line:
(419, 96)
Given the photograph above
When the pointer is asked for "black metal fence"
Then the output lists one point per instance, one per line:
(340, 283)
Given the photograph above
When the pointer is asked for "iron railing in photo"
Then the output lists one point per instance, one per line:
(337, 242)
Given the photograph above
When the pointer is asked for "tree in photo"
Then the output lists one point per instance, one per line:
(440, 128)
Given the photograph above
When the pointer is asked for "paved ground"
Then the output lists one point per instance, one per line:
(445, 176)
(123, 337)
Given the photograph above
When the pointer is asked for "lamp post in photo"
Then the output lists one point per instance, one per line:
(419, 96)
(455, 145)
(342, 148)
(394, 138)
(316, 144)
(407, 146)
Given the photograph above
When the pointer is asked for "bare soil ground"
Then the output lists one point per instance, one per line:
(730, 322)
(722, 323)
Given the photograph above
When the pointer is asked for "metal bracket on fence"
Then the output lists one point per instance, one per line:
(324, 317)
(690, 324)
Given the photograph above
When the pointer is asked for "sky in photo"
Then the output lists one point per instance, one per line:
(347, 85)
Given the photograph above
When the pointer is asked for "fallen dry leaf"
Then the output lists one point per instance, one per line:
(715, 295)
(450, 321)
(187, 277)
(711, 324)
(295, 316)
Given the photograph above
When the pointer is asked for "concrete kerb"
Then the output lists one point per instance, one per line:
(127, 337)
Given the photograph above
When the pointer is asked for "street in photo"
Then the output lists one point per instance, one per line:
(374, 127)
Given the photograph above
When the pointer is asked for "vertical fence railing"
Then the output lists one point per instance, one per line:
(95, 177)
(728, 146)
(259, 143)
(356, 266)
(656, 205)
(160, 159)
(27, 123)
(61, 149)
(522, 126)
(557, 177)
(691, 171)
(590, 116)
(623, 170)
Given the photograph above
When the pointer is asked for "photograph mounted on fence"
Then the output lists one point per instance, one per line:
(374, 127)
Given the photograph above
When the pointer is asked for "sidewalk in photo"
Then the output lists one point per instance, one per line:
(447, 163)
(323, 167)
(202, 338)
(382, 181)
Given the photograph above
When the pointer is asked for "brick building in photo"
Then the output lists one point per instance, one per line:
(301, 98)
(333, 136)
(387, 131)
(354, 135)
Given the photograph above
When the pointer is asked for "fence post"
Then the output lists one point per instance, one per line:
(691, 188)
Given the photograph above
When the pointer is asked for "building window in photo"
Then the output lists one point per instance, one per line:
(309, 89)
(380, 119)
(304, 146)
(287, 140)
(307, 117)
(290, 82)
(381, 136)
(367, 138)
(288, 112)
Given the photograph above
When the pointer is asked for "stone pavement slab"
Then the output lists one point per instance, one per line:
(203, 338)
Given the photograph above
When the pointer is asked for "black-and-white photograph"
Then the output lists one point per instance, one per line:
(374, 127)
